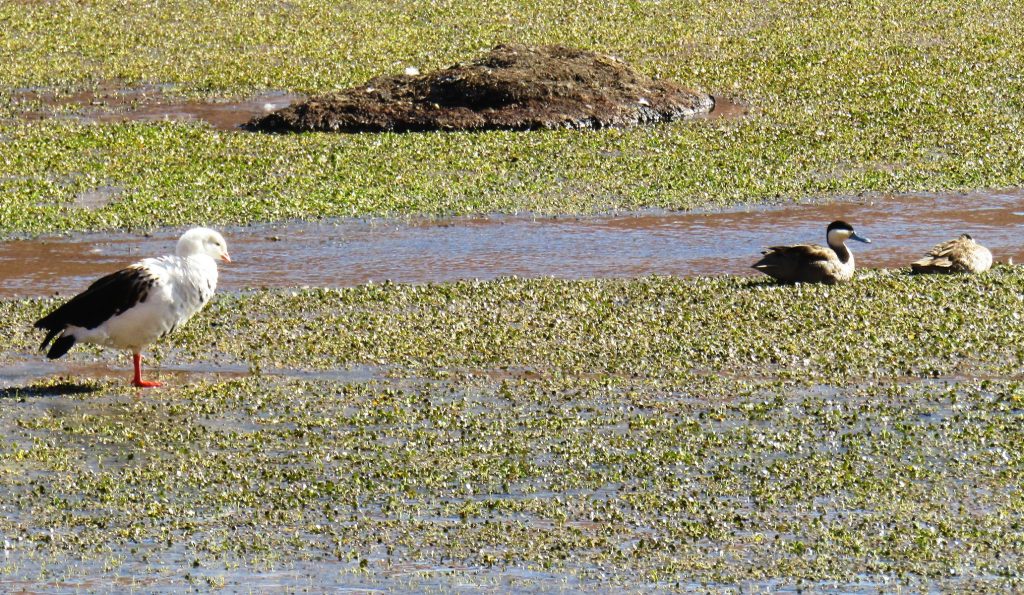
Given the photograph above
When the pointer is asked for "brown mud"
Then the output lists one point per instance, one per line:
(513, 87)
(725, 109)
(349, 252)
(110, 102)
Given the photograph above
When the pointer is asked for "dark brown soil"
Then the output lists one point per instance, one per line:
(513, 87)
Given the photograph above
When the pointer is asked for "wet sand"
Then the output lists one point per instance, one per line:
(350, 252)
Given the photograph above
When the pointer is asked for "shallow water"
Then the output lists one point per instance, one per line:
(151, 103)
(352, 252)
(116, 365)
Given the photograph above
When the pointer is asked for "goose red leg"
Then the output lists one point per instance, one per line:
(138, 381)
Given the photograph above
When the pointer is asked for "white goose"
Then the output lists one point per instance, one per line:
(137, 305)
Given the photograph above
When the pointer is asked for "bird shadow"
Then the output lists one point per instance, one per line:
(57, 389)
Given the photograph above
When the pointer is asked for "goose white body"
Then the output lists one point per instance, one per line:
(180, 288)
(133, 307)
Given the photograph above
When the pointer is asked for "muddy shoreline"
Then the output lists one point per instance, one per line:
(111, 103)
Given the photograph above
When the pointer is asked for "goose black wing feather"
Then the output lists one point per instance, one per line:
(105, 298)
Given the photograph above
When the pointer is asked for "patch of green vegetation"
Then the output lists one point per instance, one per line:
(846, 98)
(655, 431)
(887, 324)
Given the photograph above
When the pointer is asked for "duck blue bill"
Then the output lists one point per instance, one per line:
(854, 236)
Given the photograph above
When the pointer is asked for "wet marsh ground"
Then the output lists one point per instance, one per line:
(538, 435)
(651, 433)
(844, 98)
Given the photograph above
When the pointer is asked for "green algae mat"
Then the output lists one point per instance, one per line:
(844, 98)
(539, 435)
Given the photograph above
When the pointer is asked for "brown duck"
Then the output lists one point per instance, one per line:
(962, 255)
(807, 263)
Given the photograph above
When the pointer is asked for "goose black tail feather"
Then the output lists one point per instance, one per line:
(60, 346)
(50, 336)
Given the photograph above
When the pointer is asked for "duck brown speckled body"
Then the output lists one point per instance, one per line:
(806, 263)
(962, 255)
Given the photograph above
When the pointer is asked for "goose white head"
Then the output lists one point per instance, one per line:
(201, 240)
(840, 231)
